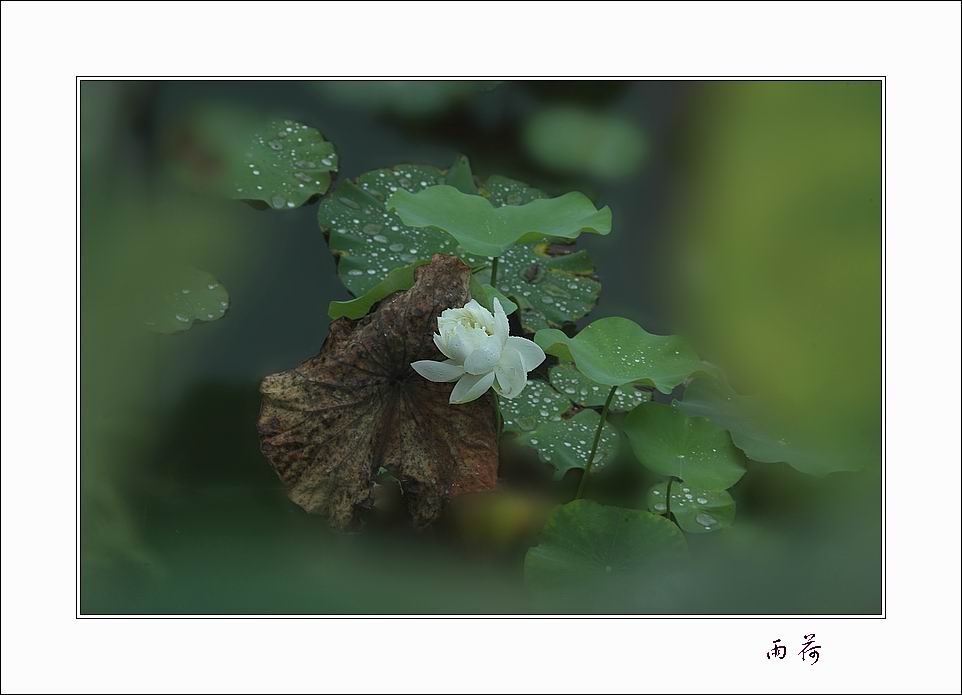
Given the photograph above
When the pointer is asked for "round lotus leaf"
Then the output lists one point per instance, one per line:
(369, 241)
(279, 163)
(565, 444)
(566, 378)
(616, 351)
(284, 164)
(538, 403)
(501, 190)
(584, 543)
(183, 296)
(696, 510)
(670, 443)
(550, 286)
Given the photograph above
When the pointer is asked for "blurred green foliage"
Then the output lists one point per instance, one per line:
(574, 140)
(779, 253)
(400, 97)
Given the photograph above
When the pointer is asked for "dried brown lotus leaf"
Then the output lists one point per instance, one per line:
(327, 425)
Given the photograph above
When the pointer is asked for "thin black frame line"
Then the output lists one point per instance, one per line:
(884, 193)
(546, 616)
(425, 78)
(77, 428)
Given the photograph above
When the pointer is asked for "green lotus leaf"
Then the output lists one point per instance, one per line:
(279, 163)
(695, 510)
(670, 443)
(484, 294)
(752, 429)
(566, 378)
(584, 543)
(183, 296)
(554, 342)
(574, 140)
(483, 229)
(551, 286)
(615, 351)
(565, 444)
(538, 403)
(403, 278)
(397, 280)
(461, 177)
(368, 241)
(501, 190)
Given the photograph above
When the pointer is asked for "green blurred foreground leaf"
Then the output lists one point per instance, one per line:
(585, 543)
(753, 430)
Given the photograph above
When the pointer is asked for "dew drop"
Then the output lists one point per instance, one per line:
(705, 519)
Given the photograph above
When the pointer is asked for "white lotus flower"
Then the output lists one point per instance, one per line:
(480, 354)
